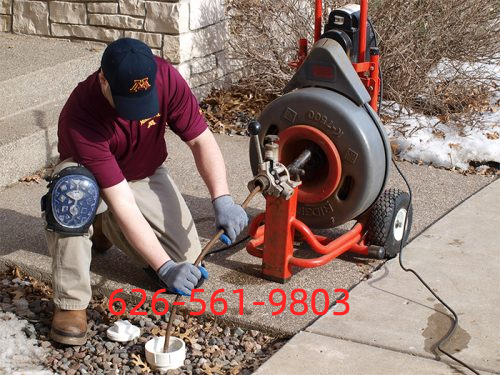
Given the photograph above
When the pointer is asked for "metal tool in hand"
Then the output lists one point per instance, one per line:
(198, 261)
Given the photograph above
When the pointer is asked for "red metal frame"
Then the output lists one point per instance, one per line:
(274, 241)
(362, 30)
(368, 71)
(318, 13)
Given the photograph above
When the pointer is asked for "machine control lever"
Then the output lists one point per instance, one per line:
(254, 130)
(254, 127)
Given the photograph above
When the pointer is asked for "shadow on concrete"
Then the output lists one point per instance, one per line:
(41, 122)
(14, 225)
(20, 231)
(115, 266)
(202, 212)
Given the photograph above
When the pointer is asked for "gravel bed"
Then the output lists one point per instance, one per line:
(212, 346)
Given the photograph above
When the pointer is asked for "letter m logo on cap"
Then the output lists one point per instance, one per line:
(140, 84)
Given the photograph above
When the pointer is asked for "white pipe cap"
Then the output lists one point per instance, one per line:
(123, 331)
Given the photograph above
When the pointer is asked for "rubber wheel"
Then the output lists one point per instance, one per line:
(386, 221)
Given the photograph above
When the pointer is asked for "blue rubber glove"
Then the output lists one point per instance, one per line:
(181, 278)
(229, 216)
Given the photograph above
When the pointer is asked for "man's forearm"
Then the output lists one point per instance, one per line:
(229, 216)
(210, 163)
(134, 226)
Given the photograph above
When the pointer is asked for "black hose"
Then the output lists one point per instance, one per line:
(228, 247)
(455, 316)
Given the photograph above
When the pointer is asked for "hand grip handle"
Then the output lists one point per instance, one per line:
(254, 127)
(225, 239)
(254, 130)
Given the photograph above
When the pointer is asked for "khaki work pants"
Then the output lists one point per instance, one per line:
(165, 210)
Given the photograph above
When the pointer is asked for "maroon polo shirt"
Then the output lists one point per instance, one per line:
(112, 148)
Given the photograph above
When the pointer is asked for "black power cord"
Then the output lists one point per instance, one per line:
(451, 331)
(455, 316)
(227, 247)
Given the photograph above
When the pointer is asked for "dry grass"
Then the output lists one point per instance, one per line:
(229, 111)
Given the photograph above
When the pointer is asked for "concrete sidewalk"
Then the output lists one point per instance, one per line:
(394, 322)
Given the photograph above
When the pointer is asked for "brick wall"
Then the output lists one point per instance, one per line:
(190, 33)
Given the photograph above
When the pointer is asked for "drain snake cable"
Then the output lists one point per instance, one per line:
(452, 329)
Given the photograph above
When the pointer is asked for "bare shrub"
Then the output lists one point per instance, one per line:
(264, 36)
(414, 36)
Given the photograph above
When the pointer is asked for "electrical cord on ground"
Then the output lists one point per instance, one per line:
(455, 316)
(228, 247)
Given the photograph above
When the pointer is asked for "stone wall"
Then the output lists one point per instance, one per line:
(189, 33)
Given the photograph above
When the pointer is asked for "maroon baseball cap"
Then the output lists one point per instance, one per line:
(130, 68)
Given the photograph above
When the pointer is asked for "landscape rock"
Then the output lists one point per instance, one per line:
(209, 343)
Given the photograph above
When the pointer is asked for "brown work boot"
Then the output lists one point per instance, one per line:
(100, 243)
(69, 326)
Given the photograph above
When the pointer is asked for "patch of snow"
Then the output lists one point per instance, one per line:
(450, 69)
(426, 139)
(19, 354)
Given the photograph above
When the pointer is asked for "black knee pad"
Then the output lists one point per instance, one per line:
(71, 203)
